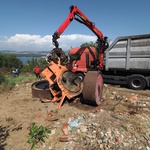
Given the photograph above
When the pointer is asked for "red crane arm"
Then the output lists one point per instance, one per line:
(76, 14)
(74, 11)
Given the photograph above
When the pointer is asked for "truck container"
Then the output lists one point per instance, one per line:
(126, 61)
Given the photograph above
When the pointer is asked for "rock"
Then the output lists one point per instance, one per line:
(83, 128)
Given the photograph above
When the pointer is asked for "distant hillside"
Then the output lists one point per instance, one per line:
(25, 53)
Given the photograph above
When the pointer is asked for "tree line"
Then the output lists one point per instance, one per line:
(10, 62)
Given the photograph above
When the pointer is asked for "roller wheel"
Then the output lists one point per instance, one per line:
(92, 88)
(40, 89)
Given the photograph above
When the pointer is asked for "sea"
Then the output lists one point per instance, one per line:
(25, 59)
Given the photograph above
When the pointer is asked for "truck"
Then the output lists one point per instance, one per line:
(126, 61)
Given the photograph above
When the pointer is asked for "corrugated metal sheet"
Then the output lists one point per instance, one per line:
(130, 52)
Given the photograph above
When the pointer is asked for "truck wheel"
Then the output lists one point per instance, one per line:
(137, 83)
(80, 76)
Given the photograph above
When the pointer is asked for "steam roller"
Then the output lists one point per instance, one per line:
(60, 84)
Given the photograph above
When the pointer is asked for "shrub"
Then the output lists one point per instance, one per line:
(37, 135)
(2, 79)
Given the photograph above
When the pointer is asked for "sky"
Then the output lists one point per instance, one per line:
(28, 25)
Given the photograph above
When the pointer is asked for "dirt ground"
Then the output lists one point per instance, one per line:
(19, 110)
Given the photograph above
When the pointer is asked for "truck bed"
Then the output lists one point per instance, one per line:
(129, 53)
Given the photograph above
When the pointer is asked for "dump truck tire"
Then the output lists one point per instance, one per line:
(137, 82)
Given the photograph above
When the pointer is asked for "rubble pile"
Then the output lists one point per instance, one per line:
(105, 129)
(93, 131)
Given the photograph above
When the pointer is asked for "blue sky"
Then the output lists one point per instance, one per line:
(29, 24)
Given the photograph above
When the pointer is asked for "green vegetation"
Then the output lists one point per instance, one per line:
(93, 44)
(2, 78)
(28, 67)
(20, 78)
(10, 62)
(37, 135)
(8, 82)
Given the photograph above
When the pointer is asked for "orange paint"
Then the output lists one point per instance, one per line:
(132, 98)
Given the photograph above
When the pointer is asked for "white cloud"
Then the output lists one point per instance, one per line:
(23, 38)
(26, 42)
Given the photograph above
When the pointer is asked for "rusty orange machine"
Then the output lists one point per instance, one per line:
(61, 84)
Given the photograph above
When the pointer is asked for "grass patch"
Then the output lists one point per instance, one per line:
(21, 78)
(9, 81)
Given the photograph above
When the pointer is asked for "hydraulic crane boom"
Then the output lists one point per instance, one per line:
(74, 11)
(76, 14)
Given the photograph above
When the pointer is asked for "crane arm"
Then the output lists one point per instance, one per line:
(75, 14)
